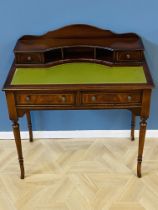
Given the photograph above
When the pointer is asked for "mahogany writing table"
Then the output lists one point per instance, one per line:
(79, 67)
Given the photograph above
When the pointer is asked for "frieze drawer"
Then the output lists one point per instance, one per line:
(45, 99)
(104, 98)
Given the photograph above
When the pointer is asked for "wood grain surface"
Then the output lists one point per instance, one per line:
(89, 174)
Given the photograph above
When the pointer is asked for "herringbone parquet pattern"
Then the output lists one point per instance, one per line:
(79, 174)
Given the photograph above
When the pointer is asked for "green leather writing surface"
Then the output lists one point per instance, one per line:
(78, 73)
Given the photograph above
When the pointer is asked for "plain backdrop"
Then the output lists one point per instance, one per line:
(21, 17)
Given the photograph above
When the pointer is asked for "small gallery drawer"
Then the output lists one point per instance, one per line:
(45, 99)
(104, 98)
(28, 58)
(129, 56)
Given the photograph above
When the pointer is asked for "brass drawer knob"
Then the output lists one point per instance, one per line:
(129, 98)
(27, 98)
(93, 98)
(63, 98)
(29, 58)
(128, 56)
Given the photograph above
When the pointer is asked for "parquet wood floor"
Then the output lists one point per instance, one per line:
(79, 174)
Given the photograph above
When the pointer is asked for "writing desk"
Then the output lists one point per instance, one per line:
(79, 67)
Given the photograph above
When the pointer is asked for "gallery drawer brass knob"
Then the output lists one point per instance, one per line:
(93, 98)
(27, 98)
(128, 56)
(29, 58)
(63, 98)
(129, 98)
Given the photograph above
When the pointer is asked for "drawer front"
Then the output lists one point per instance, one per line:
(129, 56)
(104, 98)
(45, 99)
(28, 58)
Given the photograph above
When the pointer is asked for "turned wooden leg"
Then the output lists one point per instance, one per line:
(19, 147)
(133, 126)
(142, 132)
(28, 116)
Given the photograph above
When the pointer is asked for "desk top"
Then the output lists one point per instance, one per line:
(79, 73)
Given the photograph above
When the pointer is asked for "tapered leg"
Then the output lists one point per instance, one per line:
(142, 132)
(28, 116)
(133, 126)
(19, 147)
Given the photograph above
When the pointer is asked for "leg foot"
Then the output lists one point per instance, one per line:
(17, 137)
(28, 116)
(139, 167)
(133, 126)
(142, 132)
